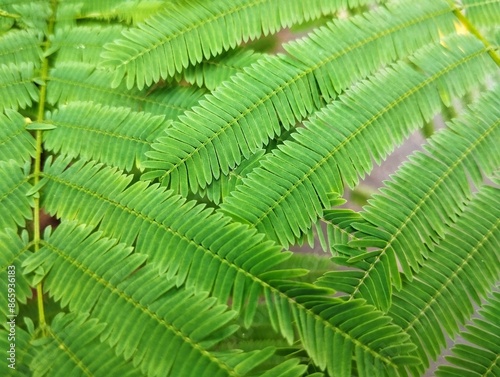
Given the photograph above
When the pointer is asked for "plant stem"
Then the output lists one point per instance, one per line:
(474, 31)
(38, 161)
(6, 14)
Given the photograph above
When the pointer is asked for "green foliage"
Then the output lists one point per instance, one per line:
(155, 169)
(481, 356)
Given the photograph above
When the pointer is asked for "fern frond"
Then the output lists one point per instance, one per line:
(357, 40)
(17, 88)
(333, 332)
(16, 143)
(72, 348)
(211, 73)
(481, 355)
(482, 12)
(172, 273)
(341, 141)
(242, 115)
(14, 250)
(113, 135)
(181, 238)
(186, 33)
(111, 203)
(439, 299)
(83, 44)
(114, 281)
(429, 192)
(276, 92)
(81, 82)
(20, 46)
(16, 205)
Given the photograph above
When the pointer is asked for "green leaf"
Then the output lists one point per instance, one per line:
(428, 195)
(440, 298)
(339, 143)
(38, 126)
(480, 356)
(15, 142)
(211, 73)
(83, 44)
(277, 92)
(16, 205)
(82, 82)
(111, 274)
(13, 283)
(157, 222)
(482, 13)
(220, 188)
(111, 195)
(72, 348)
(195, 32)
(17, 89)
(31, 15)
(114, 135)
(20, 46)
(130, 11)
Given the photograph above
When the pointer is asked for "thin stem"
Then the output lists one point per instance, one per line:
(6, 14)
(474, 31)
(38, 161)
